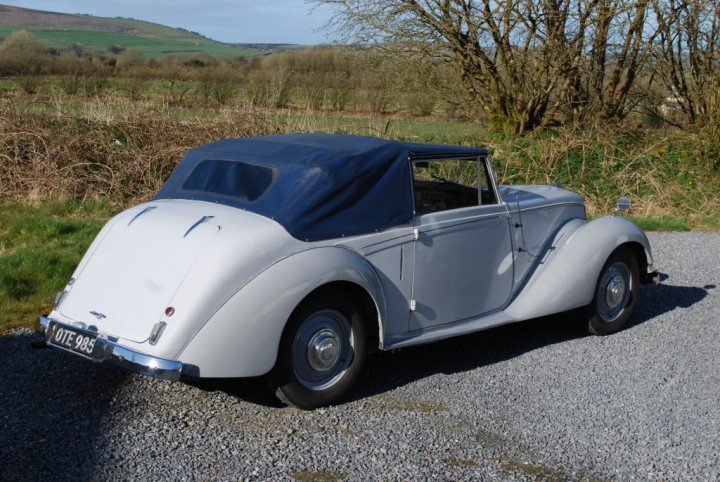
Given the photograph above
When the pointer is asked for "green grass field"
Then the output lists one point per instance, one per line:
(151, 44)
(39, 249)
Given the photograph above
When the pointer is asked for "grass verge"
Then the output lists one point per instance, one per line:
(40, 245)
(662, 223)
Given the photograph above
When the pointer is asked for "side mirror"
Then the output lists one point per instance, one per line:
(623, 204)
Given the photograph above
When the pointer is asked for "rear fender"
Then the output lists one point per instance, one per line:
(567, 273)
(242, 338)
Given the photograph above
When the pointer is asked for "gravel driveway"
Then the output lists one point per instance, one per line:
(534, 401)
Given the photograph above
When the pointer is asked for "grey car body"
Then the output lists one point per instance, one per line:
(325, 247)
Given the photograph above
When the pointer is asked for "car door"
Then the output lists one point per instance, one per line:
(463, 264)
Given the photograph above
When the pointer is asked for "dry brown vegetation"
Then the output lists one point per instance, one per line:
(123, 153)
(119, 156)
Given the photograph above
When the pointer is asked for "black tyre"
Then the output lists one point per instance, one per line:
(615, 293)
(322, 352)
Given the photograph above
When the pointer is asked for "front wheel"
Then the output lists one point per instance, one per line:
(615, 293)
(321, 353)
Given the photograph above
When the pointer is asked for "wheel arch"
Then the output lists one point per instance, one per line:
(567, 272)
(364, 300)
(243, 337)
(639, 252)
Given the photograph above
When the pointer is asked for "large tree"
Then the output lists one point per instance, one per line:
(689, 55)
(522, 61)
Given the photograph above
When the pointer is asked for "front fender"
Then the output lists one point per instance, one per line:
(242, 338)
(567, 274)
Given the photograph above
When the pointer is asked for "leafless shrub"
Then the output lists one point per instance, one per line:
(30, 83)
(378, 100)
(314, 95)
(216, 84)
(70, 84)
(271, 87)
(420, 103)
(134, 82)
(176, 88)
(337, 99)
(93, 85)
(21, 54)
(130, 58)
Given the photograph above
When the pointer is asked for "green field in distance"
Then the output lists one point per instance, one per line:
(152, 45)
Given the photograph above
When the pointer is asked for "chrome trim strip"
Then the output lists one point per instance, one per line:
(493, 180)
(469, 219)
(545, 206)
(456, 328)
(107, 350)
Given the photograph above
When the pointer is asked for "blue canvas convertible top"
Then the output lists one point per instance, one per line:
(317, 186)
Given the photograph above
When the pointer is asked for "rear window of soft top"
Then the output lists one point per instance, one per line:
(235, 179)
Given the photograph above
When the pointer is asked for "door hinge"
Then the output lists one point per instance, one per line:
(416, 234)
(413, 304)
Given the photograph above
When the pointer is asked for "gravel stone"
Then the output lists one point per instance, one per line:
(539, 400)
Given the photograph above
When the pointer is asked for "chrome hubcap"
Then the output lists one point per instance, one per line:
(614, 292)
(322, 349)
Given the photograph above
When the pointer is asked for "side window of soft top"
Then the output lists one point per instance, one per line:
(444, 184)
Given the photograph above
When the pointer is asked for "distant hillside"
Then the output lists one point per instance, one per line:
(270, 48)
(104, 35)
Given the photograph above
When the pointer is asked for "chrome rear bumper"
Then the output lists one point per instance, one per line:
(108, 350)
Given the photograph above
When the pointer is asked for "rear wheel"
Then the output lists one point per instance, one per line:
(615, 293)
(321, 353)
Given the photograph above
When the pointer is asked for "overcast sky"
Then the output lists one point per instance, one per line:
(242, 21)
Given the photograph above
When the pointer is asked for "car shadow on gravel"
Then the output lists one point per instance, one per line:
(55, 410)
(387, 371)
(658, 299)
(252, 390)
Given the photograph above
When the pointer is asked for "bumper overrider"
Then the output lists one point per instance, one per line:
(106, 349)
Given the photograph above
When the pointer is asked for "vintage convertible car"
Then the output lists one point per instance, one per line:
(292, 256)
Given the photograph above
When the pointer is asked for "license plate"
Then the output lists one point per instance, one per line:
(72, 339)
